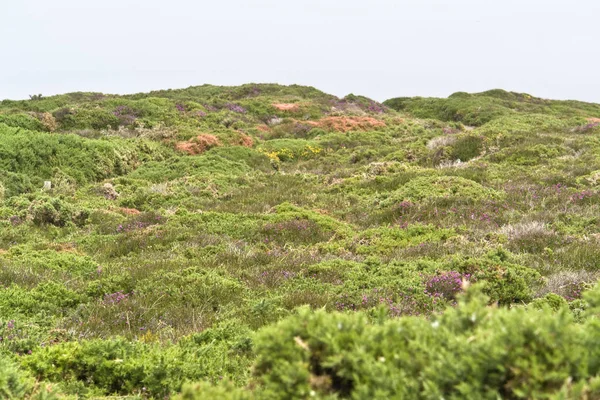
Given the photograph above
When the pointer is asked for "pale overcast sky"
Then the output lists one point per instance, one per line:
(378, 48)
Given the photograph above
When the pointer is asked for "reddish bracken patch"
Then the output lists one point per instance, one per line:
(286, 106)
(345, 124)
(199, 144)
(593, 120)
(263, 128)
(246, 140)
(129, 211)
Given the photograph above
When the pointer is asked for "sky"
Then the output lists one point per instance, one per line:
(377, 48)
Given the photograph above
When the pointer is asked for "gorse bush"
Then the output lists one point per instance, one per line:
(472, 351)
(21, 120)
(13, 383)
(441, 187)
(116, 367)
(36, 155)
(268, 241)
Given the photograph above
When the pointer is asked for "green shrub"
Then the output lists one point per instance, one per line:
(48, 298)
(54, 211)
(82, 118)
(461, 354)
(24, 121)
(14, 384)
(440, 187)
(504, 282)
(115, 366)
(466, 148)
(204, 390)
(15, 184)
(37, 155)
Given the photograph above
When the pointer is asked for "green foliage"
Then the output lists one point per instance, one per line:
(116, 367)
(466, 148)
(505, 282)
(461, 354)
(25, 121)
(314, 246)
(204, 390)
(440, 187)
(54, 211)
(47, 298)
(13, 383)
(38, 154)
(480, 108)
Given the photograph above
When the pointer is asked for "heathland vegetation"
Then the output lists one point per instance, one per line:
(267, 242)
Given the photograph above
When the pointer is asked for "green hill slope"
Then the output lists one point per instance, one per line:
(268, 241)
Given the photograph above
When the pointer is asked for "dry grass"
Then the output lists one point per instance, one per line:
(451, 164)
(286, 106)
(563, 282)
(440, 141)
(524, 230)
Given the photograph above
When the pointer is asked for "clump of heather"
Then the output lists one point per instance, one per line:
(235, 108)
(587, 127)
(141, 222)
(446, 285)
(115, 298)
(375, 107)
(572, 290)
(126, 115)
(582, 195)
(403, 205)
(352, 103)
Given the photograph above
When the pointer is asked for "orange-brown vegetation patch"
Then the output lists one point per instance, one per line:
(129, 211)
(263, 128)
(593, 120)
(345, 124)
(322, 211)
(199, 144)
(286, 106)
(245, 140)
(2, 252)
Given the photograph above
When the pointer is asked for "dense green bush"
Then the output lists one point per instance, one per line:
(440, 187)
(38, 154)
(21, 120)
(472, 351)
(13, 383)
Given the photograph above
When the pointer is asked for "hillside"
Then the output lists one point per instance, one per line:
(267, 241)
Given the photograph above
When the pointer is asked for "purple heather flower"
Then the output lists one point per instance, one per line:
(235, 108)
